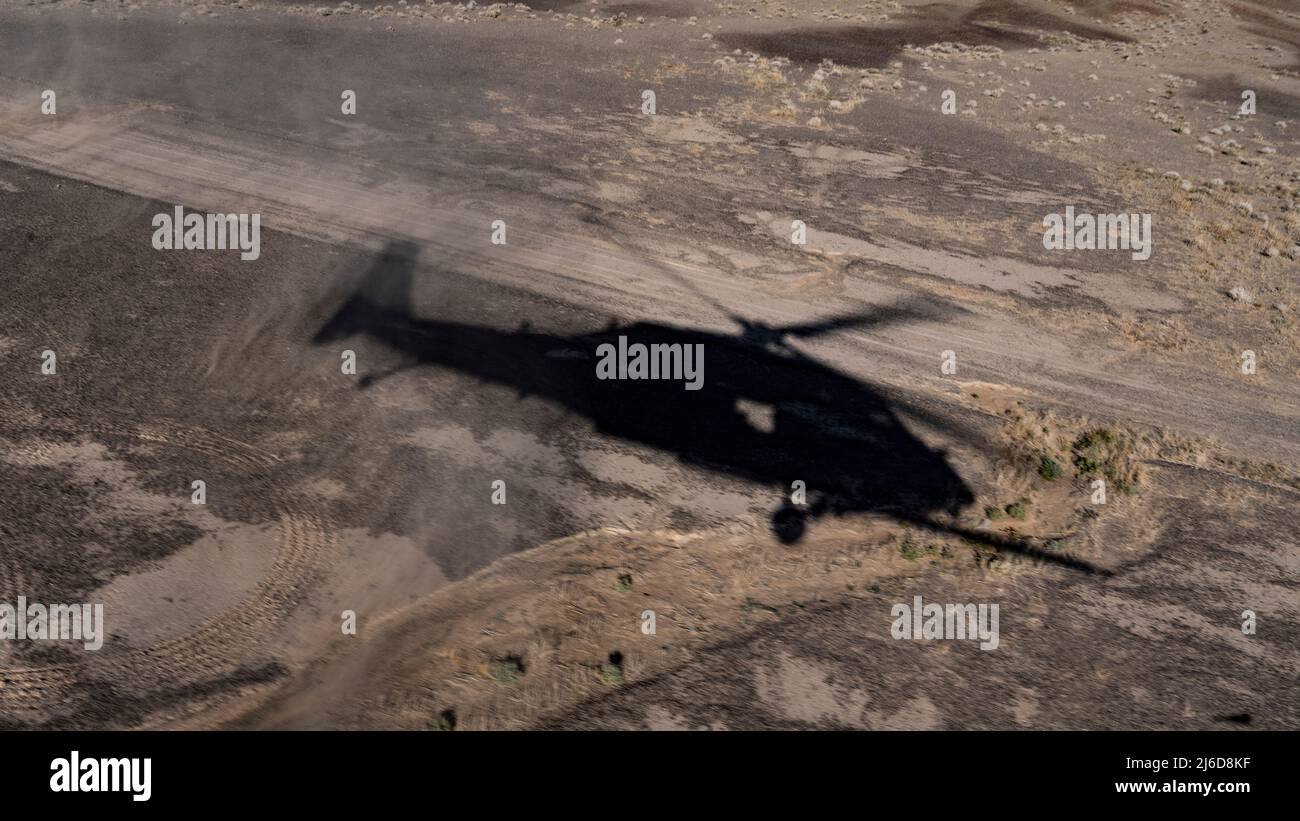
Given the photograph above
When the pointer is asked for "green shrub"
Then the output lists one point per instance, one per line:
(612, 673)
(1049, 468)
(506, 671)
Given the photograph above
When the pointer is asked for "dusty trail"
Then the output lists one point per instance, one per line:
(314, 190)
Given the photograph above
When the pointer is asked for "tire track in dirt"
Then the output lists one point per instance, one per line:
(306, 542)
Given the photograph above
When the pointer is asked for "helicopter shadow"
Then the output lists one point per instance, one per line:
(764, 412)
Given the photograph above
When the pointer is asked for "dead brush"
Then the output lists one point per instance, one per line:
(1031, 437)
(1108, 453)
(1039, 443)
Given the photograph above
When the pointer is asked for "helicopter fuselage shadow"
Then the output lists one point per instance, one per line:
(764, 412)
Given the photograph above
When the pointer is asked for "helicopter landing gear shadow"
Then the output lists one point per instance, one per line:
(789, 523)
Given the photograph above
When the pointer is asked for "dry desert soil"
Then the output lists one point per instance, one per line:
(918, 399)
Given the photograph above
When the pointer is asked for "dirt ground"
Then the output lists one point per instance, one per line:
(504, 527)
